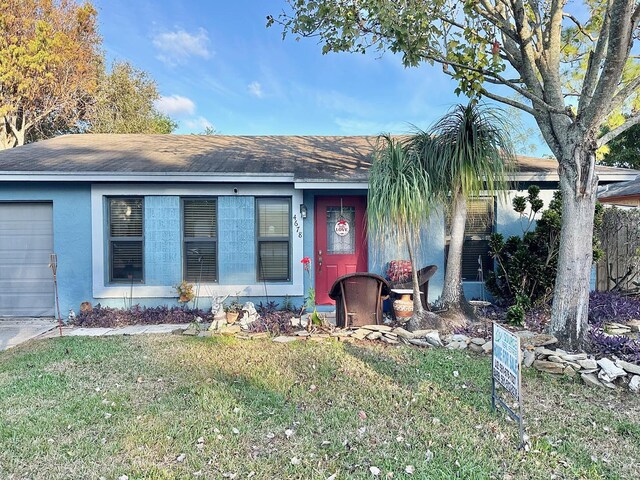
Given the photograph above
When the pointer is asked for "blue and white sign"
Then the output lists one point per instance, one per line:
(506, 372)
(506, 360)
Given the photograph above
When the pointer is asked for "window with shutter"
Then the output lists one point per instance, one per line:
(273, 238)
(200, 233)
(478, 229)
(126, 239)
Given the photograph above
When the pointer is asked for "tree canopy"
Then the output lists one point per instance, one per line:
(49, 59)
(624, 150)
(124, 103)
(568, 64)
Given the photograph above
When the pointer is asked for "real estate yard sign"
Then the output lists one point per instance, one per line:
(506, 372)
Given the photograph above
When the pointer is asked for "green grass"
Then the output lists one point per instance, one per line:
(111, 406)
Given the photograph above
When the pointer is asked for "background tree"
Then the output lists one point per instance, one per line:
(124, 103)
(467, 154)
(569, 68)
(399, 205)
(49, 60)
(624, 150)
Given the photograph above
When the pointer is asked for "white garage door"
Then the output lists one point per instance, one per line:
(26, 240)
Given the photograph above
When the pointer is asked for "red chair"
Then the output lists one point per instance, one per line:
(358, 298)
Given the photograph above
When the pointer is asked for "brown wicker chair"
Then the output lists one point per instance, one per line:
(424, 275)
(359, 299)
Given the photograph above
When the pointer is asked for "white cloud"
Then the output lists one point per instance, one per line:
(177, 47)
(255, 89)
(198, 124)
(175, 105)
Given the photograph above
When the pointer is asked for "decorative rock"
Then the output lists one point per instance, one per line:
(361, 333)
(569, 371)
(460, 338)
(555, 359)
(177, 331)
(217, 324)
(374, 336)
(378, 328)
(206, 333)
(589, 370)
(419, 343)
(190, 331)
(544, 352)
(573, 357)
(609, 370)
(433, 338)
(539, 340)
(295, 322)
(475, 348)
(401, 332)
(423, 333)
(285, 339)
(616, 328)
(591, 380)
(478, 341)
(634, 384)
(529, 358)
(389, 340)
(302, 333)
(588, 364)
(230, 329)
(455, 345)
(487, 347)
(610, 385)
(549, 367)
(628, 367)
(634, 325)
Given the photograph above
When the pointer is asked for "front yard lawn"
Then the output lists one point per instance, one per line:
(164, 407)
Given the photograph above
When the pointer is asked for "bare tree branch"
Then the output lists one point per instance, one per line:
(509, 101)
(579, 25)
(593, 66)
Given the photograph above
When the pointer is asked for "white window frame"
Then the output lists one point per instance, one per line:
(101, 289)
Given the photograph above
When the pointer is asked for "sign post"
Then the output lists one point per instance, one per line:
(506, 371)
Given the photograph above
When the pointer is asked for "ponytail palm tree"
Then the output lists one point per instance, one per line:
(467, 154)
(398, 203)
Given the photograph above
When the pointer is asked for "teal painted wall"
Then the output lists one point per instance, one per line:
(162, 240)
(71, 234)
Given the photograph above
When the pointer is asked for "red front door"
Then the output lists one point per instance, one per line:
(340, 243)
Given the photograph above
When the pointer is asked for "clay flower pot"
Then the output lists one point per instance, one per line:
(232, 317)
(403, 307)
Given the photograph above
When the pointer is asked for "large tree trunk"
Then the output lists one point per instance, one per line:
(578, 184)
(452, 293)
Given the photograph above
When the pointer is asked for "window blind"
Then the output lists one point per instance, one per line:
(200, 226)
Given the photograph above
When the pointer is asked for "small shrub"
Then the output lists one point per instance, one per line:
(108, 317)
(515, 315)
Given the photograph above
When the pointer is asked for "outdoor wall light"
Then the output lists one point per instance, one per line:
(303, 210)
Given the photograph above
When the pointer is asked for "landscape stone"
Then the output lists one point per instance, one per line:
(569, 371)
(285, 339)
(478, 341)
(628, 367)
(230, 329)
(609, 371)
(419, 343)
(610, 385)
(457, 345)
(206, 333)
(401, 332)
(548, 367)
(378, 328)
(555, 359)
(539, 340)
(591, 380)
(374, 336)
(634, 384)
(529, 358)
(433, 338)
(588, 364)
(634, 325)
(475, 348)
(487, 347)
(460, 338)
(302, 333)
(423, 333)
(190, 331)
(544, 352)
(361, 333)
(390, 341)
(573, 357)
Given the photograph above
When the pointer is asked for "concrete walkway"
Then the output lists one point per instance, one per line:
(14, 331)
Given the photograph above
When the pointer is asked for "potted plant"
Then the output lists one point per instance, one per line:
(233, 311)
(185, 292)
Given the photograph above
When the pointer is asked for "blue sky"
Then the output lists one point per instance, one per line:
(216, 64)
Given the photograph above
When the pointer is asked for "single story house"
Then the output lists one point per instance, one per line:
(131, 216)
(622, 194)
